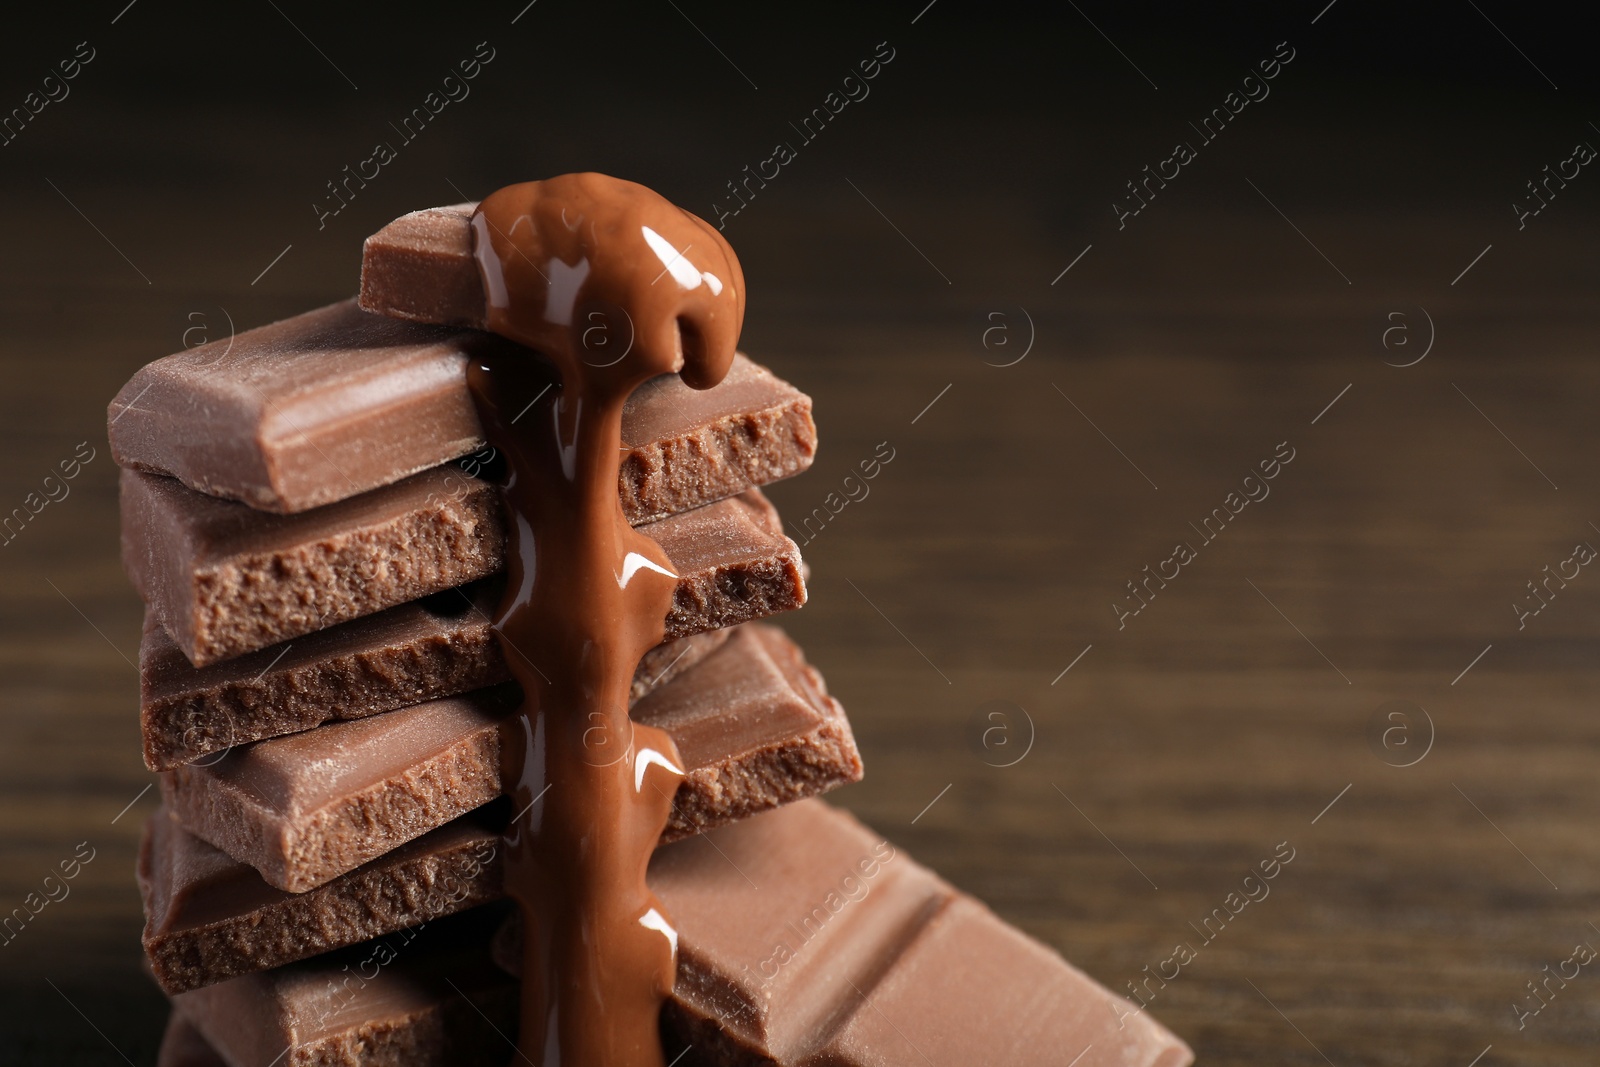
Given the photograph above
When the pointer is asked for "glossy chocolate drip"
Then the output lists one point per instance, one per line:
(614, 286)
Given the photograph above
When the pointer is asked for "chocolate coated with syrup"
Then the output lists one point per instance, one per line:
(613, 285)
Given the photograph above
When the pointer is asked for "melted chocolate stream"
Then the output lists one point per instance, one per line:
(613, 285)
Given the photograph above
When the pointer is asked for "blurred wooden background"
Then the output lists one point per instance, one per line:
(900, 268)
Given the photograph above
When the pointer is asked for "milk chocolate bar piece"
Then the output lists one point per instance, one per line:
(421, 996)
(334, 402)
(753, 722)
(224, 579)
(420, 267)
(209, 917)
(435, 647)
(305, 808)
(803, 938)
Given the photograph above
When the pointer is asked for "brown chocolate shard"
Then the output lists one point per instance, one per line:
(435, 647)
(420, 267)
(303, 411)
(418, 997)
(804, 938)
(209, 917)
(759, 698)
(306, 808)
(223, 579)
(336, 402)
(753, 722)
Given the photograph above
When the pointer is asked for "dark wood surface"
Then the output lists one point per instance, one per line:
(1150, 766)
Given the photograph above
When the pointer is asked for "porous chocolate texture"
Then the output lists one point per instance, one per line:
(224, 580)
(435, 647)
(209, 917)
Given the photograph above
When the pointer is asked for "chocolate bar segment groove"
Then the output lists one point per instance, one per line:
(753, 721)
(223, 579)
(804, 939)
(335, 402)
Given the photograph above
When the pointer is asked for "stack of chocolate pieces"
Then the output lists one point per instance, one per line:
(309, 512)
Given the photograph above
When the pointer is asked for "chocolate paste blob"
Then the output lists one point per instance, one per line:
(613, 285)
